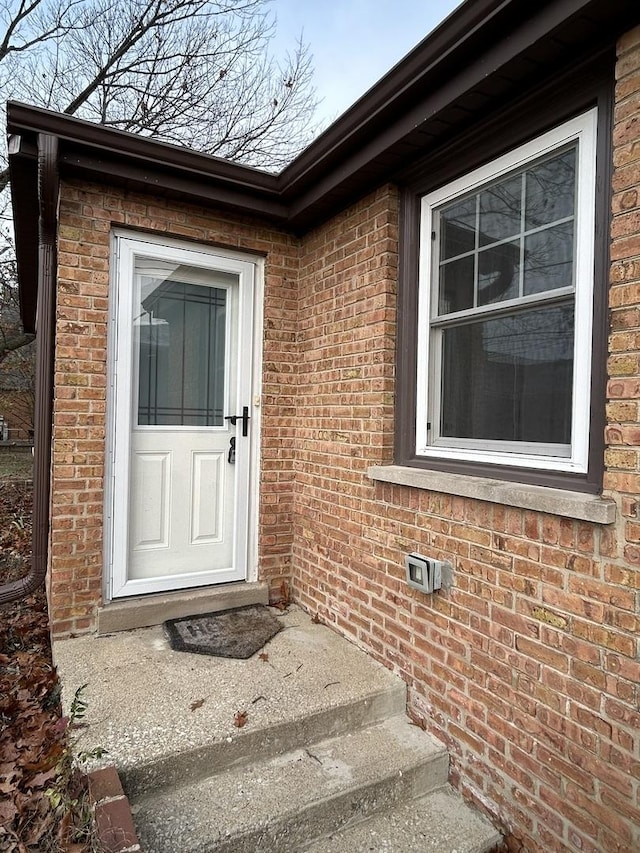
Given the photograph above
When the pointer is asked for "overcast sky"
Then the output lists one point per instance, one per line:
(355, 42)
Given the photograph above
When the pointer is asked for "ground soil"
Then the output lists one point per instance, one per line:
(35, 760)
(16, 462)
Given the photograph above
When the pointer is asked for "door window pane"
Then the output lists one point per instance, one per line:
(510, 378)
(180, 339)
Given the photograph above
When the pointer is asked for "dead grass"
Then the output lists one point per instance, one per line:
(16, 463)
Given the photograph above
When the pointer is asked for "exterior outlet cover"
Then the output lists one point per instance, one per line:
(423, 573)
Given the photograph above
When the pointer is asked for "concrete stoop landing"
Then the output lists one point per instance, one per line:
(325, 758)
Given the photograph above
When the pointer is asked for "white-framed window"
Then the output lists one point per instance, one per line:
(505, 307)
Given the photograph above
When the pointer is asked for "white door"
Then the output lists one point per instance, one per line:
(182, 393)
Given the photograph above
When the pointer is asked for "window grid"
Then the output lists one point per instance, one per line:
(521, 237)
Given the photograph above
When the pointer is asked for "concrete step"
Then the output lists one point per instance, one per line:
(167, 718)
(240, 747)
(325, 745)
(440, 822)
(283, 803)
(141, 611)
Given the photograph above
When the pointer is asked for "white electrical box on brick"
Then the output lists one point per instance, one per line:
(424, 573)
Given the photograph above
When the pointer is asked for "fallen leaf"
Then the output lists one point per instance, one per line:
(240, 719)
(7, 811)
(197, 704)
(64, 828)
(61, 725)
(264, 657)
(285, 597)
(41, 779)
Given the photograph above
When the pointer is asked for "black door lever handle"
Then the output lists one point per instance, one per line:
(244, 417)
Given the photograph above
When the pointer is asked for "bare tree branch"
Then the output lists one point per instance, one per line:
(25, 28)
(189, 72)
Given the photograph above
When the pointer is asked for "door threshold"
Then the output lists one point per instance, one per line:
(142, 611)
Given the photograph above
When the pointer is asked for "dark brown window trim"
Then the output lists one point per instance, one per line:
(558, 100)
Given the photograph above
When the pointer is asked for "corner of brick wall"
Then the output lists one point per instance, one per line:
(346, 336)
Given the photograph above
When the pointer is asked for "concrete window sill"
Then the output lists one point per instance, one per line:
(575, 505)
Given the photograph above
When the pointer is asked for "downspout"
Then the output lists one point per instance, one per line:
(48, 196)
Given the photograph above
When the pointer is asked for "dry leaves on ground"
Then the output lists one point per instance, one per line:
(285, 597)
(33, 734)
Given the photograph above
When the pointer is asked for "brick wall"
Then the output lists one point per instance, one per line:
(87, 214)
(528, 668)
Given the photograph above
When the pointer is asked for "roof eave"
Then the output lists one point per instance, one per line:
(23, 171)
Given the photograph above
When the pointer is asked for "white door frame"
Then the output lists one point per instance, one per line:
(126, 245)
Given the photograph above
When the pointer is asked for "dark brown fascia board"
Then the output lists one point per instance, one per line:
(25, 119)
(22, 118)
(460, 24)
(454, 41)
(470, 45)
(477, 38)
(188, 184)
(431, 100)
(93, 151)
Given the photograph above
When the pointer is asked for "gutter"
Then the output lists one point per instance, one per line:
(48, 196)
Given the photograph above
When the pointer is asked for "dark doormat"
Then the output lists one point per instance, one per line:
(236, 633)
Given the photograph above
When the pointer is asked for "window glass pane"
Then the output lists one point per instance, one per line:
(550, 192)
(179, 335)
(510, 378)
(500, 210)
(498, 273)
(458, 228)
(456, 285)
(548, 259)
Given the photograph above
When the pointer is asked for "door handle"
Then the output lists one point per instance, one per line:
(231, 457)
(244, 417)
